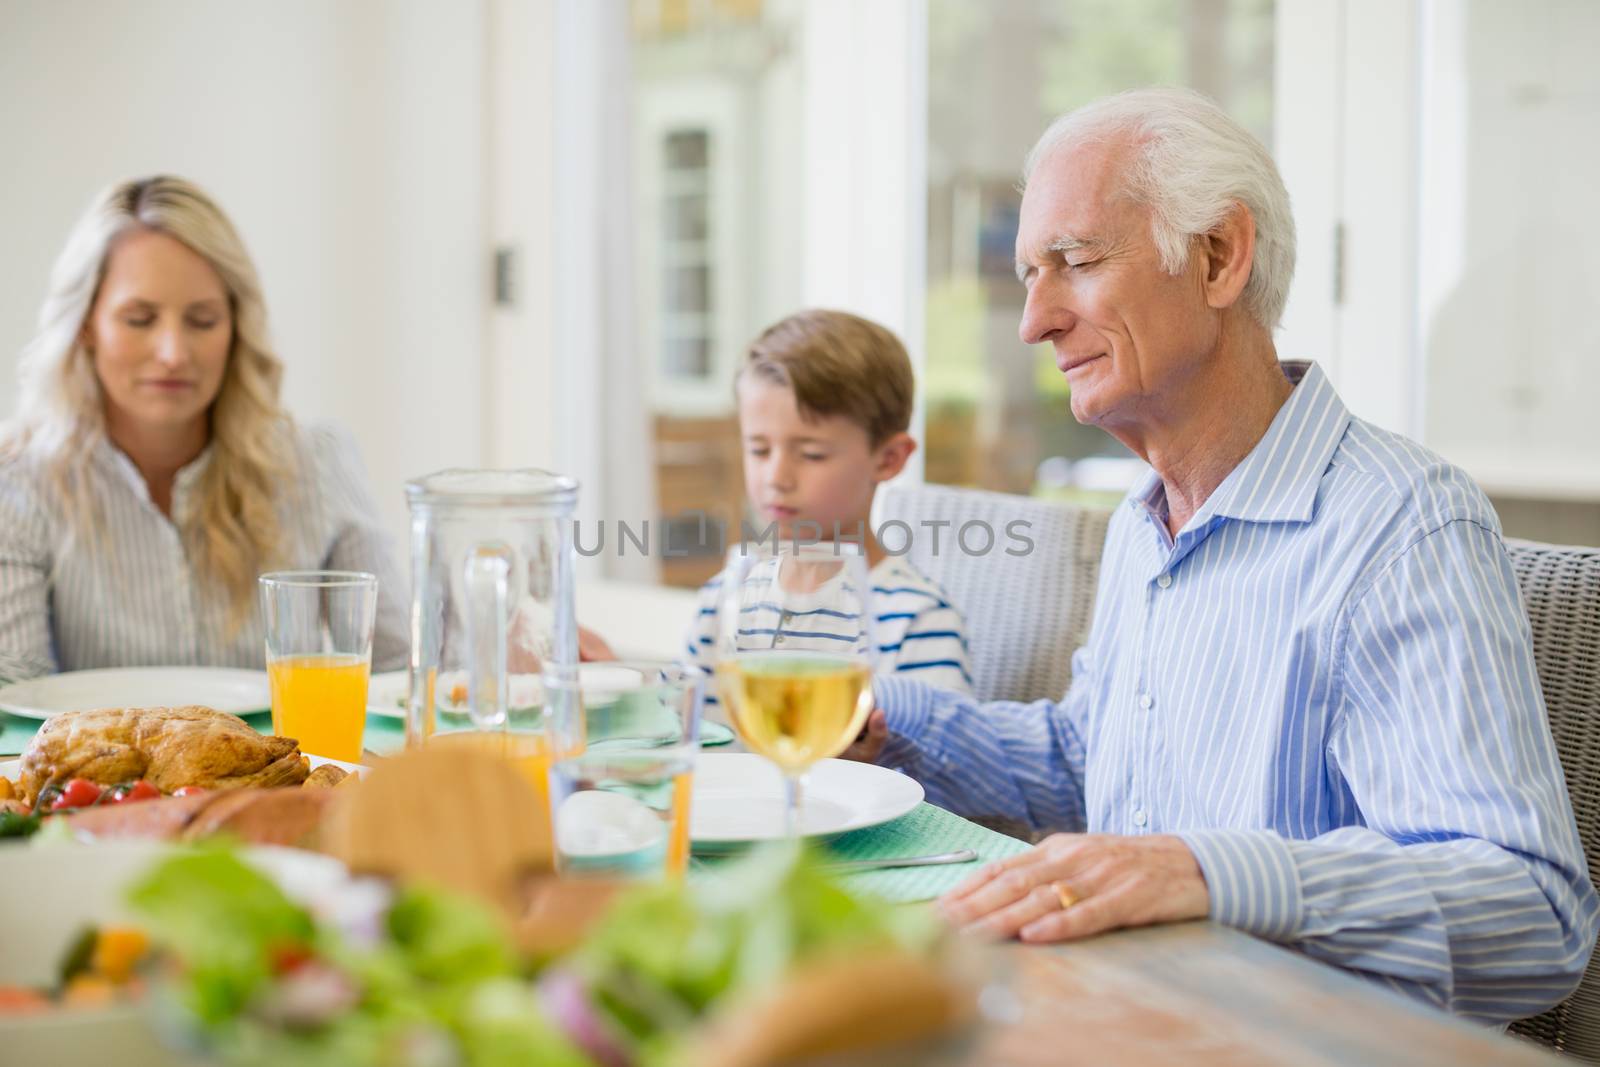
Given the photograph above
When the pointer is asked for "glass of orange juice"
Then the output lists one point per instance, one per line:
(319, 653)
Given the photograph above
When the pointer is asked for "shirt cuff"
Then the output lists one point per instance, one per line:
(907, 710)
(1252, 880)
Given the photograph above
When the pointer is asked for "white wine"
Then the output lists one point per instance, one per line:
(796, 707)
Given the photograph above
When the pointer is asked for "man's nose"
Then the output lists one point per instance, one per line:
(1045, 314)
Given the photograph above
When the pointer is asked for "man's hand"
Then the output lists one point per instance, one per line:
(1075, 885)
(868, 745)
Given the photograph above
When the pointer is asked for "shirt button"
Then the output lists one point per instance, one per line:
(1164, 581)
(1146, 701)
(1139, 817)
(778, 640)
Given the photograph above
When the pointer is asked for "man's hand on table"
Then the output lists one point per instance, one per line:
(1107, 881)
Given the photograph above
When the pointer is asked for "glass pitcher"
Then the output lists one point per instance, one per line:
(494, 641)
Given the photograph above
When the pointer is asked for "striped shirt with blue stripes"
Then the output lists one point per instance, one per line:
(917, 631)
(133, 598)
(1325, 685)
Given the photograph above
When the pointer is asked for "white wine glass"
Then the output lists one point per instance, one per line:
(795, 654)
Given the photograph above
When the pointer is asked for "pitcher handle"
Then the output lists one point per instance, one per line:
(487, 574)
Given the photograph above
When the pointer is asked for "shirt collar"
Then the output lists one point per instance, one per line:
(124, 467)
(1278, 480)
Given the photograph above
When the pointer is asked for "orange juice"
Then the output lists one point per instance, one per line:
(320, 701)
(678, 842)
(529, 754)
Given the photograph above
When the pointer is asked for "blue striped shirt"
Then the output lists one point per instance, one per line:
(916, 630)
(1325, 685)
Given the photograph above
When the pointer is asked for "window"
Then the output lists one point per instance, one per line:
(715, 99)
(996, 414)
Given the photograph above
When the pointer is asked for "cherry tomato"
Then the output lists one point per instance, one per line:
(288, 956)
(140, 790)
(189, 791)
(78, 793)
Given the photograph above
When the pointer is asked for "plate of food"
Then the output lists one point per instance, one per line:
(74, 978)
(601, 683)
(178, 773)
(738, 799)
(226, 689)
(279, 956)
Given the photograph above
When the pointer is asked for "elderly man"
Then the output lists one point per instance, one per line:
(1308, 706)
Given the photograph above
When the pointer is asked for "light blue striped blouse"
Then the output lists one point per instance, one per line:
(133, 597)
(1325, 685)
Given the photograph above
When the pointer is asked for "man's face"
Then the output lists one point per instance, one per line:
(1127, 335)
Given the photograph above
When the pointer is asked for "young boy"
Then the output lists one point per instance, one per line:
(824, 402)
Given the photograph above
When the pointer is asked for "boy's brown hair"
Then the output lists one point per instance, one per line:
(837, 363)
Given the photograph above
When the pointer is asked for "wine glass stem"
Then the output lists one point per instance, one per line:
(791, 805)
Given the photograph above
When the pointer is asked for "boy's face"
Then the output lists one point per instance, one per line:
(822, 470)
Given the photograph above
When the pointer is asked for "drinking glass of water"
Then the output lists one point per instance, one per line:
(620, 808)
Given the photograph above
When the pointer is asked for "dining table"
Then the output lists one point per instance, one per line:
(1202, 994)
(1196, 993)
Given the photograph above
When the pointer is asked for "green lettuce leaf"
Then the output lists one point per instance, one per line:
(225, 919)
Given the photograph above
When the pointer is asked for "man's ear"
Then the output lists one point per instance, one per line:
(890, 457)
(1229, 251)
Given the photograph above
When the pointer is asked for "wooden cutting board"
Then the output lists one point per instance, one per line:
(465, 820)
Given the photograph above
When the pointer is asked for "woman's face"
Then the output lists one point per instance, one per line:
(159, 334)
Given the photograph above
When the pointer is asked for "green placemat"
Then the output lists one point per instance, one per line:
(925, 829)
(16, 732)
(922, 831)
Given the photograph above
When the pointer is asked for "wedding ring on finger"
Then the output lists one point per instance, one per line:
(1065, 896)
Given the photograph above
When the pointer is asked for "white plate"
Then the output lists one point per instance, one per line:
(387, 692)
(238, 692)
(738, 798)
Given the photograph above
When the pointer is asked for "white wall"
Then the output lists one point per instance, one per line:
(346, 139)
(1509, 246)
(864, 141)
(518, 388)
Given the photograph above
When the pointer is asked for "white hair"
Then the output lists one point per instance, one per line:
(1191, 164)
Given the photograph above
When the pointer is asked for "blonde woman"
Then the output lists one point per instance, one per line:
(150, 475)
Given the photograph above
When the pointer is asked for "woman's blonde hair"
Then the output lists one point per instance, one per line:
(232, 525)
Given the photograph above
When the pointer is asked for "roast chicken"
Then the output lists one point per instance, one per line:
(168, 747)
